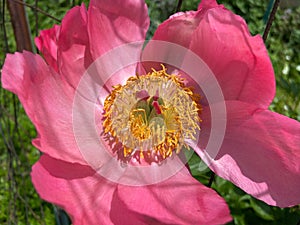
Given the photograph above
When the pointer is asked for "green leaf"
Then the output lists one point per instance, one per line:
(61, 216)
(261, 209)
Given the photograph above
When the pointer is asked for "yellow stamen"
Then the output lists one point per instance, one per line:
(151, 128)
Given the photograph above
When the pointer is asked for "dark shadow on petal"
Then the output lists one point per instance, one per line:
(121, 215)
(65, 170)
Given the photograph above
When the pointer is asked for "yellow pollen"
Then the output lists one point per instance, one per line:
(139, 124)
(152, 115)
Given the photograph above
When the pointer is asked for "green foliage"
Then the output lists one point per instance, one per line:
(20, 204)
(158, 12)
(284, 45)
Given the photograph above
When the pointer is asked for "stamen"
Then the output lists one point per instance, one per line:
(152, 115)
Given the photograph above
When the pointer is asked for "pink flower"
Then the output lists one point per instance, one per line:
(240, 139)
(78, 170)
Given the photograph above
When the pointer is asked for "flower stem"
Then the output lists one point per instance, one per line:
(37, 9)
(20, 26)
(270, 20)
(211, 179)
(179, 5)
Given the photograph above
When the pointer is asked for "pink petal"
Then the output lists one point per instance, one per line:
(179, 200)
(239, 61)
(91, 199)
(113, 24)
(260, 153)
(204, 4)
(47, 44)
(74, 55)
(78, 189)
(179, 28)
(47, 102)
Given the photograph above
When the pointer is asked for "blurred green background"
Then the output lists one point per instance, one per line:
(20, 203)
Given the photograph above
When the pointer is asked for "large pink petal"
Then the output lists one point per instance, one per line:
(87, 197)
(112, 24)
(260, 153)
(74, 55)
(239, 61)
(47, 44)
(47, 102)
(91, 199)
(179, 200)
(78, 189)
(179, 28)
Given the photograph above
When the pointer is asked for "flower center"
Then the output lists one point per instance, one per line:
(151, 116)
